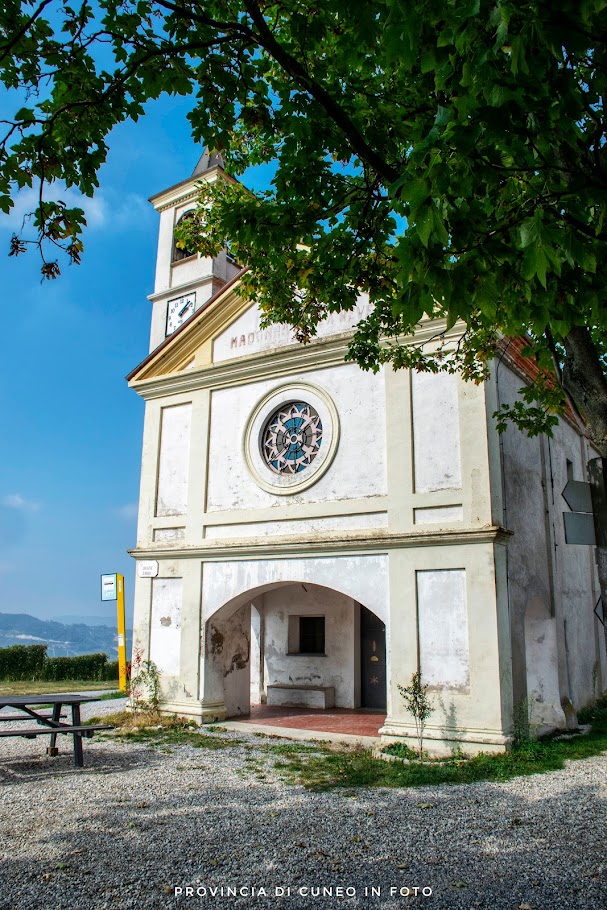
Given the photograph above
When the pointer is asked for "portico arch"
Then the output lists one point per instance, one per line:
(290, 642)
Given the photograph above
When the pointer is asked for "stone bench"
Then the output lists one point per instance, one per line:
(291, 696)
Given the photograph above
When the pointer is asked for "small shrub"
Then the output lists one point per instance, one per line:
(521, 727)
(144, 686)
(401, 750)
(590, 713)
(419, 705)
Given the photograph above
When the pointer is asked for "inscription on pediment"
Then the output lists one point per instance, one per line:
(245, 335)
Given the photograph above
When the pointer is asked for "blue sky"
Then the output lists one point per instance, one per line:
(70, 443)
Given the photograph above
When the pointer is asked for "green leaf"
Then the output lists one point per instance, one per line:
(26, 115)
(528, 232)
(416, 192)
(452, 317)
(535, 263)
(424, 224)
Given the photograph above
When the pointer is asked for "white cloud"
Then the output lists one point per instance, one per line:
(128, 511)
(17, 501)
(107, 207)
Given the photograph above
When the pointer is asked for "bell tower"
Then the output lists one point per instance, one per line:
(185, 280)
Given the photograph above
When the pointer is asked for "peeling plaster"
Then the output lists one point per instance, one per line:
(216, 640)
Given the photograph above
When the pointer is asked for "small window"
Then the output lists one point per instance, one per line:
(306, 634)
(180, 252)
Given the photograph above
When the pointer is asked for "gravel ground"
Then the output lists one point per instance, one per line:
(137, 824)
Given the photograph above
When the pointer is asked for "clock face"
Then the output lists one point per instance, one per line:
(178, 310)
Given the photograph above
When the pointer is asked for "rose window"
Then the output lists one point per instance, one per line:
(291, 438)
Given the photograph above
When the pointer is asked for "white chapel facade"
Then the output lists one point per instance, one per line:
(321, 531)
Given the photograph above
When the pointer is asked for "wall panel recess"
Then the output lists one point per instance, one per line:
(173, 460)
(165, 629)
(436, 439)
(443, 627)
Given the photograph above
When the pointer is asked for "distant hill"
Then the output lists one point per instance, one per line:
(62, 639)
(107, 618)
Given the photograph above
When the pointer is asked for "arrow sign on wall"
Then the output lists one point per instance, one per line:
(579, 523)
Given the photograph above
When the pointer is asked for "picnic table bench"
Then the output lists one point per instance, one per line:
(13, 717)
(49, 723)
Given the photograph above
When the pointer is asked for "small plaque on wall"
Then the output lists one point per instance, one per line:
(147, 568)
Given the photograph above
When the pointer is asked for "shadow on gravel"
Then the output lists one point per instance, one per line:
(17, 770)
(194, 822)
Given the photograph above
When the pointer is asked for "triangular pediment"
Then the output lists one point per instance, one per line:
(191, 346)
(228, 327)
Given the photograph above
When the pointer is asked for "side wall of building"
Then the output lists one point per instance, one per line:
(558, 644)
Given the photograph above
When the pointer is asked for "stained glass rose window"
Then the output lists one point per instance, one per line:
(291, 438)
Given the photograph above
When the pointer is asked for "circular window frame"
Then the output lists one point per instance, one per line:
(288, 484)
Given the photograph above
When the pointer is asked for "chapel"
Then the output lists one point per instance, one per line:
(311, 534)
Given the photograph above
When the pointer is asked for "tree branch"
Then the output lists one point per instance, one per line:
(23, 30)
(326, 101)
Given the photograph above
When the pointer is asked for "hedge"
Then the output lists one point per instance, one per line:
(21, 662)
(85, 666)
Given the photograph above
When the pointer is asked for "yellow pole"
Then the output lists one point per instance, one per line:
(121, 634)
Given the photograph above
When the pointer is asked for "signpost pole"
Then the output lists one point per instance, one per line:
(121, 634)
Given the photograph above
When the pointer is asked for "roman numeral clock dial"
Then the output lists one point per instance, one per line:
(178, 310)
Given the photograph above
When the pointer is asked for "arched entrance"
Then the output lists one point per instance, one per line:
(293, 644)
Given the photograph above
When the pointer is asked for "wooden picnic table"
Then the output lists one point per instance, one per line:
(50, 723)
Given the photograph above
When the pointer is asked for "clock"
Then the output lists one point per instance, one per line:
(178, 310)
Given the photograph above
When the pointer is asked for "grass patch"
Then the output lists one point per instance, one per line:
(295, 749)
(357, 767)
(321, 767)
(42, 687)
(161, 730)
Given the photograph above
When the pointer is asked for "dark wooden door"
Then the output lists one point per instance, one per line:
(372, 661)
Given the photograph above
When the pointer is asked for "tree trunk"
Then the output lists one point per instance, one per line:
(584, 379)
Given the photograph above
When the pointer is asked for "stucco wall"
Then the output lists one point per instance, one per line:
(334, 668)
(443, 628)
(359, 466)
(228, 651)
(225, 585)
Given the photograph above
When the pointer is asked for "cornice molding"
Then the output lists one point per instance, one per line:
(322, 352)
(177, 200)
(183, 288)
(187, 189)
(323, 545)
(277, 363)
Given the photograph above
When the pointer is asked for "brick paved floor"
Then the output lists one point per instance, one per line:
(355, 721)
